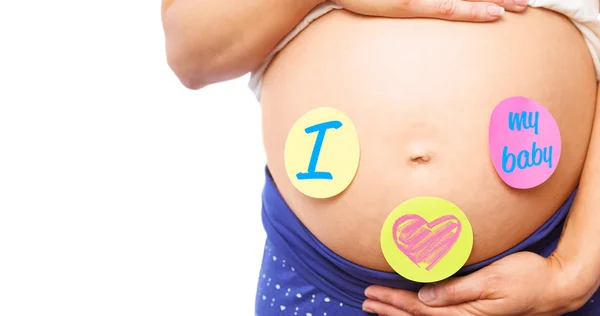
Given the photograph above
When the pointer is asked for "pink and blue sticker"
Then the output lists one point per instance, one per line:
(525, 142)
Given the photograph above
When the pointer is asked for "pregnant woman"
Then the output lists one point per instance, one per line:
(400, 81)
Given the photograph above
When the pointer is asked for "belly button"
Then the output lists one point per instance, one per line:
(419, 153)
(420, 159)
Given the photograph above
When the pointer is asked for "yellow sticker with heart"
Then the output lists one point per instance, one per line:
(322, 153)
(426, 239)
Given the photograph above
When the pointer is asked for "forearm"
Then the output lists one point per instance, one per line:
(579, 247)
(208, 41)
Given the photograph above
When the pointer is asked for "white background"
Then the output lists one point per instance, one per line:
(121, 192)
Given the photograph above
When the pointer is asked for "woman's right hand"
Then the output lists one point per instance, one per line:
(455, 10)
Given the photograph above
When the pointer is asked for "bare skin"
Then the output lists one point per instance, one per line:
(210, 41)
(201, 52)
(522, 283)
(400, 93)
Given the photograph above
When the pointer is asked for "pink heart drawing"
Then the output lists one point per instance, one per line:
(423, 242)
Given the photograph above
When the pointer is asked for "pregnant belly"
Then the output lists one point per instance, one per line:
(420, 93)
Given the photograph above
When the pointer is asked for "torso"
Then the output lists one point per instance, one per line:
(400, 80)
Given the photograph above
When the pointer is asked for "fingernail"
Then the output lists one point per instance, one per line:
(495, 10)
(367, 309)
(427, 294)
(521, 2)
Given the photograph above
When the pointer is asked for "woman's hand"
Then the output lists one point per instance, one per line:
(523, 283)
(456, 10)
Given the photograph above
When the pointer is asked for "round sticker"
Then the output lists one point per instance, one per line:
(525, 143)
(322, 153)
(426, 239)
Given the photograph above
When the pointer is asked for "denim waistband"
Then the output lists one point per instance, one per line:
(347, 281)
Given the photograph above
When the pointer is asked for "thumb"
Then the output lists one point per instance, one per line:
(455, 291)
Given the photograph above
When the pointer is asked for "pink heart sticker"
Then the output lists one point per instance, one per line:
(426, 243)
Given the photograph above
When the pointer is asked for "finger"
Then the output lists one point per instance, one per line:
(454, 291)
(455, 10)
(379, 308)
(407, 302)
(509, 5)
(401, 300)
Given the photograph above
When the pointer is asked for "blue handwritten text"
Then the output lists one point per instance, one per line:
(321, 129)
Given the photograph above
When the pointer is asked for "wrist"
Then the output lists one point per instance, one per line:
(572, 283)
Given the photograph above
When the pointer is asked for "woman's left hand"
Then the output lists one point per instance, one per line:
(523, 283)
